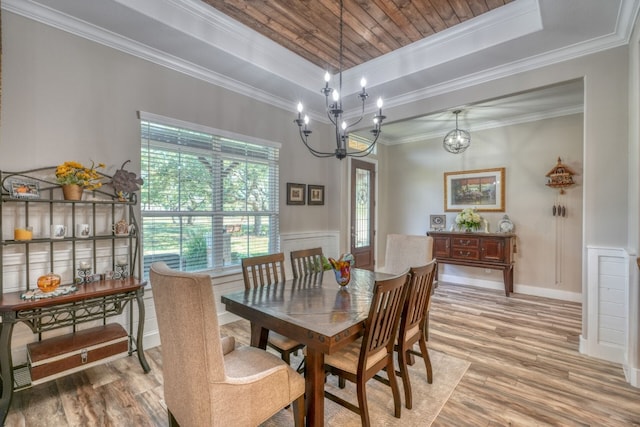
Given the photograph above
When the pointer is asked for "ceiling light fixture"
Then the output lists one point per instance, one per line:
(457, 140)
(334, 112)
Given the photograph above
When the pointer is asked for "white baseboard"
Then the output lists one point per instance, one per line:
(632, 375)
(517, 288)
(151, 340)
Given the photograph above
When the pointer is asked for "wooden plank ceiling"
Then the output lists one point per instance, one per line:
(372, 28)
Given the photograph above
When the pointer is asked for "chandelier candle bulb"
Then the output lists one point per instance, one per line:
(334, 113)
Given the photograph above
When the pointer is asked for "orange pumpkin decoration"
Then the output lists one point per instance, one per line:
(49, 282)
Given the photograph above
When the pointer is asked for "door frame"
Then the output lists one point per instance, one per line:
(375, 208)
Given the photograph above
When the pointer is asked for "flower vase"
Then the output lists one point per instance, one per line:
(343, 274)
(72, 191)
(342, 269)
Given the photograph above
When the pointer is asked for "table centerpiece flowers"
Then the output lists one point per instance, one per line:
(469, 220)
(74, 178)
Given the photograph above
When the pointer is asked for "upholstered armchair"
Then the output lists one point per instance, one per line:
(404, 251)
(208, 382)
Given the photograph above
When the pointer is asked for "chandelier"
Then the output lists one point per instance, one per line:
(457, 140)
(334, 113)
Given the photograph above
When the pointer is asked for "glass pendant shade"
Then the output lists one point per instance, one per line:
(458, 140)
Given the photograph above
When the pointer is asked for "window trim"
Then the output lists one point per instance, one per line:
(231, 270)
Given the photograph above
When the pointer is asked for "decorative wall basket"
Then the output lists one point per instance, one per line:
(72, 191)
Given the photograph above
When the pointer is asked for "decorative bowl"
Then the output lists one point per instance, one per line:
(49, 282)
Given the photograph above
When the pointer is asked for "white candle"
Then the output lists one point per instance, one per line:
(84, 265)
(121, 261)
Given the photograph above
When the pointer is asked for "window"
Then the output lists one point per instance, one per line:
(209, 197)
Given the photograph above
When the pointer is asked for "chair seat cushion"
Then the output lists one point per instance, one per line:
(414, 331)
(346, 358)
(246, 361)
(282, 342)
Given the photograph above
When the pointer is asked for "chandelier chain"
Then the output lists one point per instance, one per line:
(335, 113)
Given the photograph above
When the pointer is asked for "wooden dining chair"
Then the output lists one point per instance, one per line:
(414, 324)
(306, 261)
(267, 270)
(207, 381)
(404, 251)
(362, 359)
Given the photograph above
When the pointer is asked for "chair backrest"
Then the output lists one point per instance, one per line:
(416, 305)
(263, 270)
(381, 327)
(306, 261)
(404, 251)
(192, 356)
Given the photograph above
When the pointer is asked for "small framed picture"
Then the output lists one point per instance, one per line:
(438, 222)
(295, 193)
(315, 194)
(25, 190)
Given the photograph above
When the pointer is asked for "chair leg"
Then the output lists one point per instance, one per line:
(342, 382)
(362, 402)
(298, 411)
(393, 381)
(404, 374)
(172, 420)
(410, 359)
(427, 359)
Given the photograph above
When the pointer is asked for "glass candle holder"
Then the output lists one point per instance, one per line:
(23, 233)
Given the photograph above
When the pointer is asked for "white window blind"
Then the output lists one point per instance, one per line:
(207, 200)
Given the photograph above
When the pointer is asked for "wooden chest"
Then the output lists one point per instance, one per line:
(65, 354)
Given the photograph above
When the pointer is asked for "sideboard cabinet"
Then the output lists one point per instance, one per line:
(485, 250)
(99, 272)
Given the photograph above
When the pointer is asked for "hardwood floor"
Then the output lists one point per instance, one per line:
(525, 371)
(525, 366)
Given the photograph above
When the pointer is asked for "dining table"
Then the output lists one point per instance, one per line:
(313, 310)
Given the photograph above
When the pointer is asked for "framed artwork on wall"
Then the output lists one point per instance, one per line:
(315, 194)
(295, 194)
(481, 189)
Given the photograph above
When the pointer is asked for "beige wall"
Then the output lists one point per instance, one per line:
(549, 248)
(68, 98)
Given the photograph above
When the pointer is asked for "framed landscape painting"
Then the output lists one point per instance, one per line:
(481, 189)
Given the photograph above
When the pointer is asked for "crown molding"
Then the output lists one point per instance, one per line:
(514, 19)
(492, 124)
(55, 19)
(500, 25)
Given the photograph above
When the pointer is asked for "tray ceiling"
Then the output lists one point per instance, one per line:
(408, 50)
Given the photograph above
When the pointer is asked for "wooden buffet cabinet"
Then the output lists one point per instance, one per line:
(484, 250)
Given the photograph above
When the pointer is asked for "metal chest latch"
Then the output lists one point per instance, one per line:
(83, 355)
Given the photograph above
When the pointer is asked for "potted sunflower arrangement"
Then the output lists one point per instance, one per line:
(75, 178)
